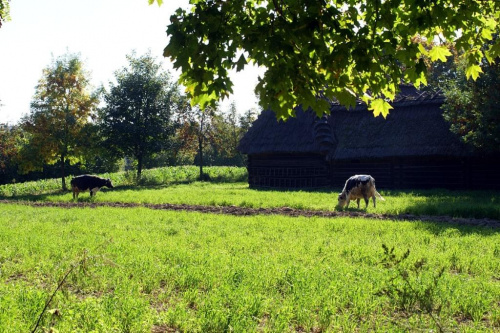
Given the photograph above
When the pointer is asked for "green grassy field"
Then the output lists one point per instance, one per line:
(142, 270)
(471, 204)
(159, 176)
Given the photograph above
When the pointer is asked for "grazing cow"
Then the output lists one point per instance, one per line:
(88, 182)
(357, 187)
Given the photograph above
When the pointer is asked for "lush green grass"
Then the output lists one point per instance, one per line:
(478, 204)
(228, 187)
(158, 176)
(138, 269)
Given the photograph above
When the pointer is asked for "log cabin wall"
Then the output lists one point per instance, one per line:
(288, 171)
(423, 173)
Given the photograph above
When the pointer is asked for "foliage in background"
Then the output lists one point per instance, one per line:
(196, 129)
(473, 107)
(230, 131)
(97, 158)
(338, 49)
(211, 136)
(8, 150)
(4, 11)
(247, 119)
(60, 111)
(137, 118)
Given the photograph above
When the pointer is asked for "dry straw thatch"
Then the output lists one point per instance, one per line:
(414, 128)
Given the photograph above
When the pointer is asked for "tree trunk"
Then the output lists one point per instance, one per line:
(200, 148)
(63, 176)
(139, 167)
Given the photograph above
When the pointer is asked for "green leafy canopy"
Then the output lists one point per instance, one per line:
(60, 110)
(337, 49)
(136, 120)
(4, 11)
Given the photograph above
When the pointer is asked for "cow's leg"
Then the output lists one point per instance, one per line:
(374, 201)
(366, 201)
(94, 191)
(357, 201)
(347, 204)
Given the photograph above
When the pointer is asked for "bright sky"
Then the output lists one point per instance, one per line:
(102, 31)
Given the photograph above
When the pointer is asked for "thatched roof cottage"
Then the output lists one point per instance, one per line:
(412, 148)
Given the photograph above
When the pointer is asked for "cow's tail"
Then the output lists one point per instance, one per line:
(379, 196)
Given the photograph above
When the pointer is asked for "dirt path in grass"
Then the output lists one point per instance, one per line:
(286, 211)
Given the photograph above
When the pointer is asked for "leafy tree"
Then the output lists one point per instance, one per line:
(338, 49)
(60, 110)
(247, 119)
(473, 107)
(211, 138)
(136, 120)
(8, 152)
(230, 132)
(229, 129)
(195, 131)
(4, 11)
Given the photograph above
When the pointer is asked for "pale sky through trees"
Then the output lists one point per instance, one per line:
(103, 32)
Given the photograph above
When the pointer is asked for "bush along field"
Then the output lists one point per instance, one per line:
(158, 176)
(140, 270)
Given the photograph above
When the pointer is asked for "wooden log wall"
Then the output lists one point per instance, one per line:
(288, 171)
(466, 173)
(312, 171)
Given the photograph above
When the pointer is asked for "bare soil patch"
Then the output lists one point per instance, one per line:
(285, 211)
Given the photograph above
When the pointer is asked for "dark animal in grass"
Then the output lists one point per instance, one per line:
(88, 182)
(357, 187)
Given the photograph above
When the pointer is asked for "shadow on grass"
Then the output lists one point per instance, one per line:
(35, 197)
(451, 229)
(50, 195)
(294, 189)
(457, 204)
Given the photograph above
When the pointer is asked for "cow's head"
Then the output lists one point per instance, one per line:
(342, 199)
(108, 183)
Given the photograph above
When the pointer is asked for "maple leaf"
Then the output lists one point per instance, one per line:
(380, 107)
(439, 53)
(473, 71)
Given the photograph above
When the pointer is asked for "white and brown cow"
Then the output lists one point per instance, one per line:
(357, 187)
(88, 182)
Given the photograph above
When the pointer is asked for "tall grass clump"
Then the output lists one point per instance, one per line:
(30, 188)
(181, 174)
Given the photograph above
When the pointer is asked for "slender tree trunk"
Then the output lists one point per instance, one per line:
(200, 148)
(139, 167)
(63, 176)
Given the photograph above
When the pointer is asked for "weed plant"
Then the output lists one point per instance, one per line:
(141, 270)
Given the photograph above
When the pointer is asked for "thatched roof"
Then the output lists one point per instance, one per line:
(296, 135)
(415, 127)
